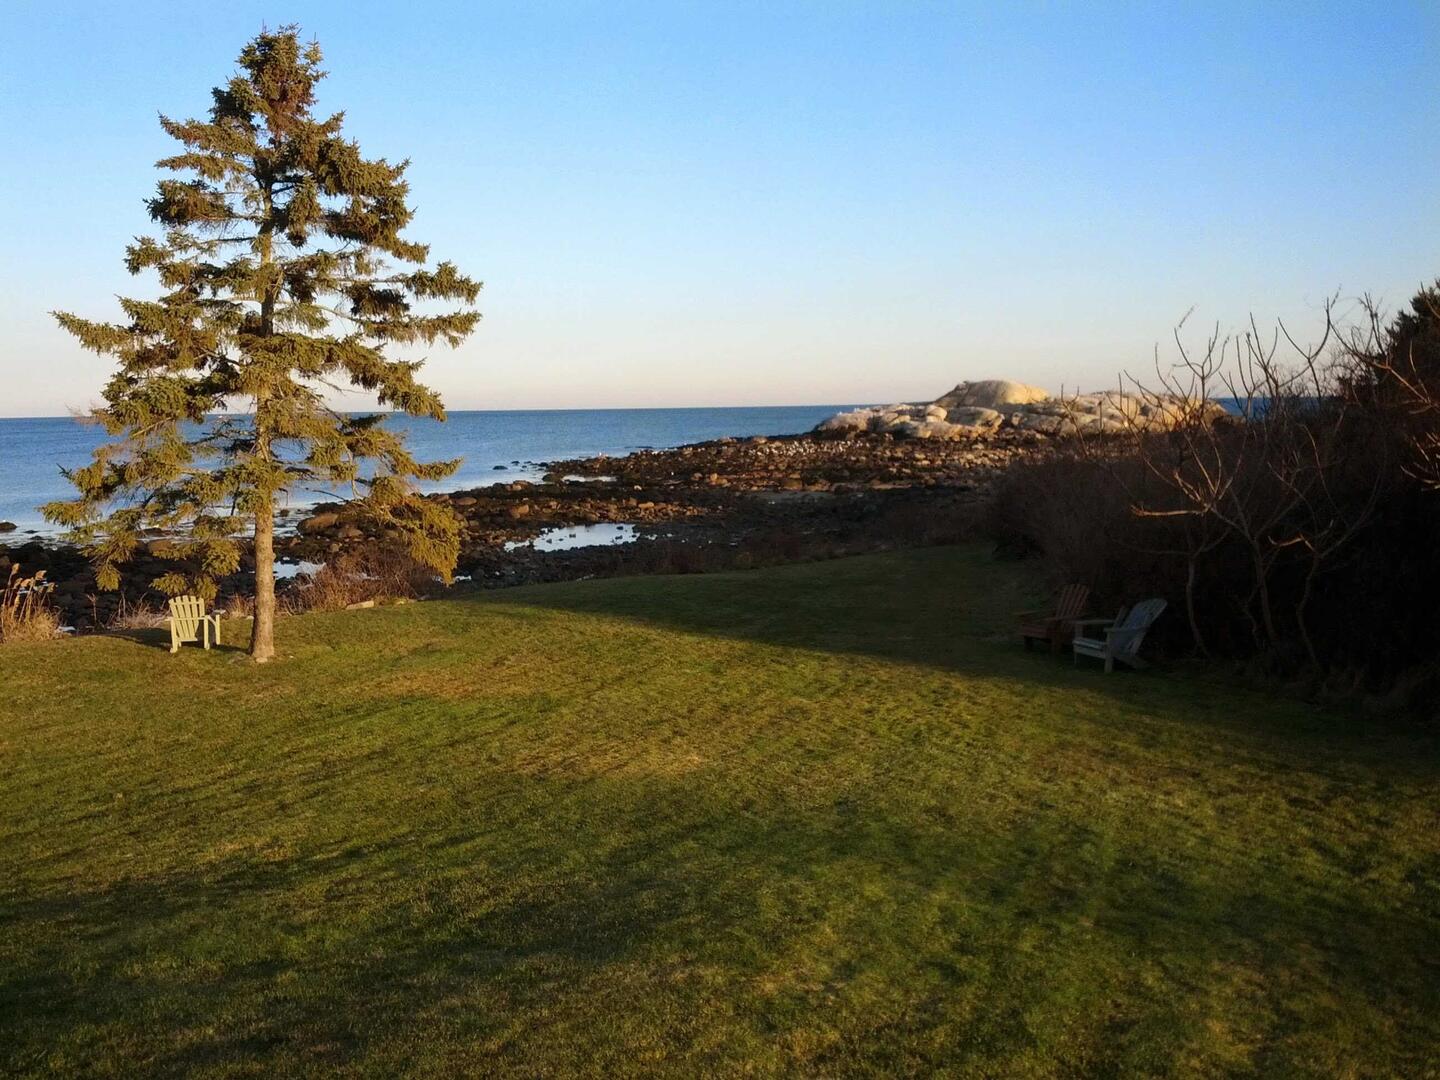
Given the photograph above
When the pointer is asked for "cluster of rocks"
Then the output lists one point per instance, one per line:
(77, 595)
(979, 409)
(800, 463)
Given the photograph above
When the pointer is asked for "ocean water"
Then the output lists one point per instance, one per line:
(33, 451)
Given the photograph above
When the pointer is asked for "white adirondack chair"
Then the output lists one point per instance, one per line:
(188, 622)
(1118, 638)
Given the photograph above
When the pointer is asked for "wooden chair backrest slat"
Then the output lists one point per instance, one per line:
(1072, 600)
(187, 611)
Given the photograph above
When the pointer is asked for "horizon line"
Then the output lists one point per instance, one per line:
(82, 417)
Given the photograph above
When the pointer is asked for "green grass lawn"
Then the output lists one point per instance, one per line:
(823, 819)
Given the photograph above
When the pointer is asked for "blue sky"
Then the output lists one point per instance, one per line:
(707, 204)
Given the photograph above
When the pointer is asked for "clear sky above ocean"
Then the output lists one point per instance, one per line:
(706, 204)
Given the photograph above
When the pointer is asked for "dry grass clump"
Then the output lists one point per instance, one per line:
(27, 612)
(369, 573)
(137, 615)
(240, 606)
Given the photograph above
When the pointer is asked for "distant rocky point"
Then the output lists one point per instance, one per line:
(975, 409)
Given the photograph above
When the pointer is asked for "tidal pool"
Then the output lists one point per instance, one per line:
(284, 570)
(567, 537)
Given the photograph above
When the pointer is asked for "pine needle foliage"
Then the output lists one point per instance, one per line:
(284, 274)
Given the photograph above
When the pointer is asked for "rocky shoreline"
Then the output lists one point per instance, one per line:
(730, 503)
(703, 506)
(865, 480)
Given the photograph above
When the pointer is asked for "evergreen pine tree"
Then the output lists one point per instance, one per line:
(284, 273)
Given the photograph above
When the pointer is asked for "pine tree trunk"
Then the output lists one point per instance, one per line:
(262, 633)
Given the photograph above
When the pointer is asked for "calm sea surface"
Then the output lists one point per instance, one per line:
(32, 451)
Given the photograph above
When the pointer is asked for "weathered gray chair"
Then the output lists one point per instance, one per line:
(1119, 638)
(188, 622)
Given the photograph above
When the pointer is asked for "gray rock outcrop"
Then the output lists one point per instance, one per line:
(979, 408)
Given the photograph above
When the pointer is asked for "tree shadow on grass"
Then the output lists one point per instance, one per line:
(823, 939)
(159, 638)
(951, 610)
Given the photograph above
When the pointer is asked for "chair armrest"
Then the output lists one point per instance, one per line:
(1093, 622)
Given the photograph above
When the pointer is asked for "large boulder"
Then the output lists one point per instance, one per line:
(318, 523)
(925, 429)
(1000, 394)
(1044, 423)
(881, 421)
(160, 548)
(974, 416)
(847, 422)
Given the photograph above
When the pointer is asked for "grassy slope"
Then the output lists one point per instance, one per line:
(817, 819)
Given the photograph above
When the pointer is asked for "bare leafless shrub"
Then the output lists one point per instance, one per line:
(27, 609)
(1296, 532)
(1272, 483)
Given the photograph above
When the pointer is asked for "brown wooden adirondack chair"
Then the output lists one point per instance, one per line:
(1057, 626)
(188, 622)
